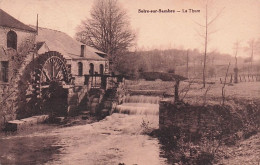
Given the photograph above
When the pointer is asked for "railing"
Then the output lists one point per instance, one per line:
(241, 78)
(102, 81)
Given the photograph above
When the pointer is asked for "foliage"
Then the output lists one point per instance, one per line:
(146, 127)
(173, 60)
(205, 146)
(11, 96)
(7, 93)
(130, 65)
(171, 70)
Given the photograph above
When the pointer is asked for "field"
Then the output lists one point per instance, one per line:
(239, 97)
(193, 92)
(128, 139)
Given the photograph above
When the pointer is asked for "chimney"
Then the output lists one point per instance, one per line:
(82, 51)
(37, 25)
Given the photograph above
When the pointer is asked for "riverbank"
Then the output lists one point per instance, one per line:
(241, 101)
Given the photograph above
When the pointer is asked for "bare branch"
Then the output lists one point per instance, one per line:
(108, 29)
(214, 19)
(205, 94)
(223, 88)
(205, 37)
(199, 24)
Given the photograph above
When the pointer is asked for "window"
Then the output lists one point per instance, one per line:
(4, 71)
(80, 69)
(101, 69)
(91, 69)
(82, 50)
(12, 40)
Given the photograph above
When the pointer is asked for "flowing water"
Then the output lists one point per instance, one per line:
(142, 99)
(140, 105)
(118, 138)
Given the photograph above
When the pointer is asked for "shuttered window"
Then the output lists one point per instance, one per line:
(80, 69)
(12, 40)
(4, 71)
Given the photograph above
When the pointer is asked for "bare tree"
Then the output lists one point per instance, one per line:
(251, 47)
(236, 47)
(187, 63)
(254, 49)
(223, 87)
(205, 35)
(108, 29)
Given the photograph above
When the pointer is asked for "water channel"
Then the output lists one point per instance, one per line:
(118, 138)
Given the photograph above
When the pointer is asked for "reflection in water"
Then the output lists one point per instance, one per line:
(28, 150)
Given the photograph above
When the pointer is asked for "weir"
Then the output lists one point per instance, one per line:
(139, 105)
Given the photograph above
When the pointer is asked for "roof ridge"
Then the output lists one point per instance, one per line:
(48, 29)
(6, 20)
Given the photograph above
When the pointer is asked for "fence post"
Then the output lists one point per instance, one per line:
(235, 75)
(103, 82)
(176, 92)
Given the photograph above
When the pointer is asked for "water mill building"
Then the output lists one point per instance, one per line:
(40, 67)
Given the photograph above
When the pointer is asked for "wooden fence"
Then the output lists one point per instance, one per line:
(241, 78)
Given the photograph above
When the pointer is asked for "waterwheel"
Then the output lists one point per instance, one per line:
(51, 75)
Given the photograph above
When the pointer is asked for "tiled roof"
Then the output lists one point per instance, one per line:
(7, 20)
(66, 45)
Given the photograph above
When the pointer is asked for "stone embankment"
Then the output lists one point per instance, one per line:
(18, 125)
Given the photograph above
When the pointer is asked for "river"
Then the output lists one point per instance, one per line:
(118, 138)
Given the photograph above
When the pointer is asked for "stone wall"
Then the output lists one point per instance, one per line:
(121, 92)
(74, 66)
(79, 80)
(22, 35)
(10, 92)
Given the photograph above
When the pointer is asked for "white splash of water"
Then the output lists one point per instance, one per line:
(142, 99)
(138, 108)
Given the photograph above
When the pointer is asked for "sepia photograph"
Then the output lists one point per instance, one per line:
(130, 82)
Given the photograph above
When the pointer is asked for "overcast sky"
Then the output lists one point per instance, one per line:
(239, 20)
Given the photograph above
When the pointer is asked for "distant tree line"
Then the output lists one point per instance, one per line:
(132, 64)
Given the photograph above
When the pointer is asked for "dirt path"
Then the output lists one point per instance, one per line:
(116, 139)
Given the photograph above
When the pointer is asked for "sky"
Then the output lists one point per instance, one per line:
(239, 20)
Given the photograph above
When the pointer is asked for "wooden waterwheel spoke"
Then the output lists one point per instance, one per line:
(53, 70)
(57, 74)
(46, 75)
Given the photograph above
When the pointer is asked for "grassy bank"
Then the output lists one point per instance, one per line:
(241, 103)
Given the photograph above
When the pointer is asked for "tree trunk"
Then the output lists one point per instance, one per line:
(205, 51)
(187, 67)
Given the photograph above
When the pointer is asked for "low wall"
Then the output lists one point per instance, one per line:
(211, 121)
